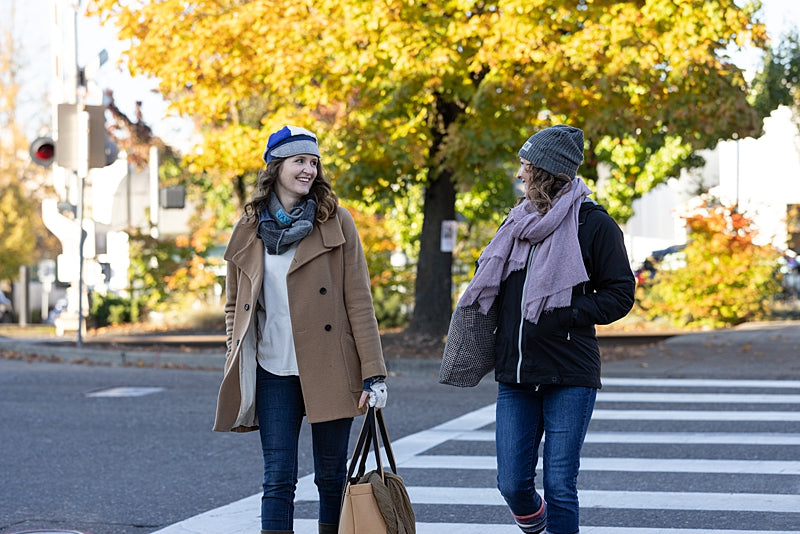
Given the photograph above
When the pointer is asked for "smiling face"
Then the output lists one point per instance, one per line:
(295, 177)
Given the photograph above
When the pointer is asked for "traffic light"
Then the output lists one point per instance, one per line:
(64, 152)
(102, 152)
(43, 151)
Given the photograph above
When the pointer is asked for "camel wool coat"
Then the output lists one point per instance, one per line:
(334, 328)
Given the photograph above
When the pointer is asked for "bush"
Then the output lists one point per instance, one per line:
(727, 279)
(112, 310)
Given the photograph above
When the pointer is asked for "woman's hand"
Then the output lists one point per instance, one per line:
(374, 393)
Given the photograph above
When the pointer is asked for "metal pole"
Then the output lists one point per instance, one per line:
(154, 205)
(83, 172)
(736, 204)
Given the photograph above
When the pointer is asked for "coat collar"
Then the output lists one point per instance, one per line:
(324, 237)
(245, 249)
(247, 252)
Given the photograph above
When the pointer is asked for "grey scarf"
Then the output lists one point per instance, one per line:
(280, 230)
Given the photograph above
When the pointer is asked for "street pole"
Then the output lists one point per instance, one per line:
(154, 204)
(83, 172)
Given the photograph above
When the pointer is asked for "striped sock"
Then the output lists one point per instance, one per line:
(532, 523)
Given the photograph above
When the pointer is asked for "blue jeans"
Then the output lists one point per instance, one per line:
(523, 416)
(280, 408)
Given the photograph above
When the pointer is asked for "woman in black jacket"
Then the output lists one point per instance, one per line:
(556, 267)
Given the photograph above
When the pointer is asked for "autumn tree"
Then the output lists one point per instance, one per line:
(24, 240)
(432, 99)
(727, 279)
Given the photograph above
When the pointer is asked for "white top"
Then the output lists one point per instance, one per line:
(276, 352)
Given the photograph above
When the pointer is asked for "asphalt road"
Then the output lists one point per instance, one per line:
(125, 465)
(75, 457)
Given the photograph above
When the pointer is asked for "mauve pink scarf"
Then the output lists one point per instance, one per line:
(556, 264)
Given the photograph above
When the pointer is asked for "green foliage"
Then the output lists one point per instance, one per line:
(778, 81)
(392, 285)
(727, 279)
(169, 272)
(112, 310)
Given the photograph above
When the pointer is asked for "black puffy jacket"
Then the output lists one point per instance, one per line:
(561, 348)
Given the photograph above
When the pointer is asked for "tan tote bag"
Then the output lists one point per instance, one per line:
(376, 502)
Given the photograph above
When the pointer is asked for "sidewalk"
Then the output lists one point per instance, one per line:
(69, 352)
(756, 350)
(769, 351)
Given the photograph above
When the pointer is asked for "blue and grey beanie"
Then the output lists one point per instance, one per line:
(290, 141)
(558, 149)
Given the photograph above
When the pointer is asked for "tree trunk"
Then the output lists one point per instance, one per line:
(433, 293)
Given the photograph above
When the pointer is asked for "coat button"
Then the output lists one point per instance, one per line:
(328, 328)
(322, 291)
(246, 307)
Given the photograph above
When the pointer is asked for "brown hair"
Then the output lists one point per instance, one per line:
(544, 188)
(321, 192)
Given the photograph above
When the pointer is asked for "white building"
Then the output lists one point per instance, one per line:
(761, 175)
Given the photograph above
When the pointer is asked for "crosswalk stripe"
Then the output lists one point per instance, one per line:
(699, 398)
(672, 438)
(309, 526)
(701, 383)
(631, 465)
(640, 500)
(694, 415)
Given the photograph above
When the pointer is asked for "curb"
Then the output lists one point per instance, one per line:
(190, 360)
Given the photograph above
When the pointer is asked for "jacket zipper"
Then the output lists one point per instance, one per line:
(522, 317)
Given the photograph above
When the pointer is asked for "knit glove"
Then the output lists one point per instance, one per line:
(376, 388)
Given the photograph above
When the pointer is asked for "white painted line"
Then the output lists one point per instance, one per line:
(699, 398)
(672, 438)
(632, 465)
(637, 530)
(694, 415)
(694, 438)
(639, 500)
(125, 391)
(242, 517)
(701, 383)
(306, 526)
(309, 526)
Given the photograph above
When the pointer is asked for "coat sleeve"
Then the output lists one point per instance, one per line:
(358, 301)
(609, 294)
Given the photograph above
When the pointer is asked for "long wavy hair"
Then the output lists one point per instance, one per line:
(544, 188)
(321, 192)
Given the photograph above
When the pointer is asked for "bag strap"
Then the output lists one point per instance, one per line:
(371, 419)
(367, 438)
(387, 445)
(361, 449)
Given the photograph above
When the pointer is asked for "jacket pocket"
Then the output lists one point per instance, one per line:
(352, 362)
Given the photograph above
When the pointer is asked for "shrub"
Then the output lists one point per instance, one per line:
(727, 279)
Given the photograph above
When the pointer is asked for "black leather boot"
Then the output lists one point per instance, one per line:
(326, 528)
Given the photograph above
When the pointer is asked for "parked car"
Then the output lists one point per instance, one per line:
(6, 309)
(667, 259)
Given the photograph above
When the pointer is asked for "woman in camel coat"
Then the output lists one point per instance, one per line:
(301, 334)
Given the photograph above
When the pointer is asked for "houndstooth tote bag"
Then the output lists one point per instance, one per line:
(469, 349)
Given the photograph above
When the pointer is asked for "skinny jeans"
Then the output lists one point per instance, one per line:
(280, 409)
(525, 413)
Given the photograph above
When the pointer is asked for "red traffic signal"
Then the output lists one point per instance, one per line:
(43, 151)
